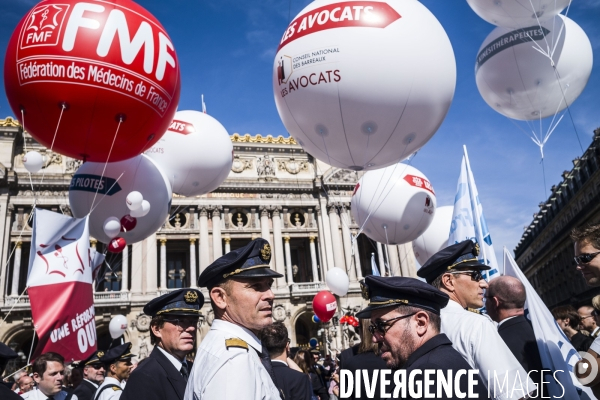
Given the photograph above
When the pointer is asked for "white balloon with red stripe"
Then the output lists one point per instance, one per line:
(393, 205)
(363, 84)
(196, 153)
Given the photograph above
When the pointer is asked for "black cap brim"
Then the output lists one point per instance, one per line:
(366, 313)
(472, 265)
(182, 313)
(258, 273)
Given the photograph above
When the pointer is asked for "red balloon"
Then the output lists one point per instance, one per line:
(117, 245)
(324, 305)
(97, 62)
(128, 223)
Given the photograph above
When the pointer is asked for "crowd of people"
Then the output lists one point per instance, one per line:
(408, 325)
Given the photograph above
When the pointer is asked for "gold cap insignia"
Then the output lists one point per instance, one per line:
(191, 297)
(265, 252)
(365, 290)
(476, 250)
(100, 354)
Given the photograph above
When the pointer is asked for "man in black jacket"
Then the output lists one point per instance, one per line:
(6, 354)
(93, 376)
(292, 384)
(505, 302)
(164, 374)
(405, 323)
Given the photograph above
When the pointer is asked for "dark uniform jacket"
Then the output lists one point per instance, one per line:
(7, 394)
(155, 378)
(293, 384)
(437, 354)
(518, 335)
(582, 342)
(85, 390)
(351, 360)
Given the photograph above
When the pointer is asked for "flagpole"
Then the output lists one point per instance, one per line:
(474, 204)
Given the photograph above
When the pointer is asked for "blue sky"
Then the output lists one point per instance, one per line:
(226, 51)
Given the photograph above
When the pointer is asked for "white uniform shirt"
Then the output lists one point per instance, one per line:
(37, 394)
(110, 393)
(476, 338)
(232, 373)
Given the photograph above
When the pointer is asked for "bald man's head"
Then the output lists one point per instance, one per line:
(509, 290)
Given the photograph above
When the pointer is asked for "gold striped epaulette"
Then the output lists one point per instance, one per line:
(236, 342)
(116, 388)
(474, 310)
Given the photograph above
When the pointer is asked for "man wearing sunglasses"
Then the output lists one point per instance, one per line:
(93, 376)
(456, 271)
(164, 374)
(405, 323)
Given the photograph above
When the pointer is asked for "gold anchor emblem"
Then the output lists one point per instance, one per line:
(190, 297)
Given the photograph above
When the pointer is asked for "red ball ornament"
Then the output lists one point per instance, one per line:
(324, 305)
(128, 223)
(97, 66)
(117, 245)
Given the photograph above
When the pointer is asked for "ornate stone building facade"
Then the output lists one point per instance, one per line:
(274, 190)
(545, 251)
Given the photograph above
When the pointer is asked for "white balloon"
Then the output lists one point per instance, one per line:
(196, 153)
(517, 13)
(519, 82)
(435, 238)
(395, 205)
(134, 200)
(140, 174)
(112, 227)
(364, 88)
(337, 281)
(117, 326)
(33, 161)
(142, 211)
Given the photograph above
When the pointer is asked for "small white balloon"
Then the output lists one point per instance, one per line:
(435, 238)
(395, 204)
(112, 227)
(117, 326)
(33, 161)
(337, 281)
(134, 200)
(517, 13)
(142, 210)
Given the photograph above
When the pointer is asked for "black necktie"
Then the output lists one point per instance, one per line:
(266, 362)
(184, 371)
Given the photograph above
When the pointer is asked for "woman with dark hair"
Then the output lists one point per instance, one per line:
(363, 356)
(305, 361)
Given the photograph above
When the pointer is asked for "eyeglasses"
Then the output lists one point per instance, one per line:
(381, 327)
(475, 275)
(585, 258)
(184, 323)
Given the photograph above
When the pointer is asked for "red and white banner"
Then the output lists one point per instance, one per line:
(60, 285)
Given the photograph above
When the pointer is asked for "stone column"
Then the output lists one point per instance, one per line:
(264, 223)
(382, 269)
(338, 252)
(216, 225)
(193, 262)
(359, 274)
(150, 284)
(278, 246)
(407, 260)
(227, 241)
(204, 256)
(125, 270)
(16, 270)
(313, 259)
(394, 261)
(163, 263)
(347, 241)
(3, 267)
(288, 260)
(323, 234)
(137, 256)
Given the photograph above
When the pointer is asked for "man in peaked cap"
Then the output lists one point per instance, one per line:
(93, 376)
(456, 271)
(231, 362)
(6, 354)
(405, 323)
(117, 362)
(164, 374)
